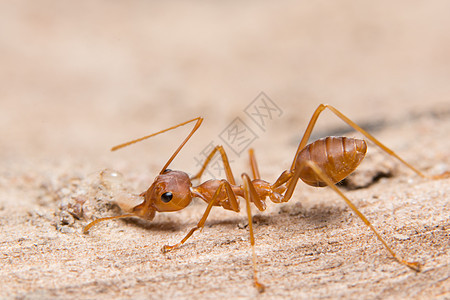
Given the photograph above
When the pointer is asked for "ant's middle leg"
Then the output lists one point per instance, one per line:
(250, 195)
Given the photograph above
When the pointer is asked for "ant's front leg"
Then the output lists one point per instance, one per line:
(226, 164)
(224, 185)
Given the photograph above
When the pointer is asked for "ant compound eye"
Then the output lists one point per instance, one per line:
(166, 197)
(166, 171)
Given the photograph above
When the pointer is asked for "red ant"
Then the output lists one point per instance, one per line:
(321, 163)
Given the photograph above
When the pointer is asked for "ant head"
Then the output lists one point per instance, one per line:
(169, 192)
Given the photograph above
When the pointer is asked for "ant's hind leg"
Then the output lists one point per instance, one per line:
(312, 123)
(310, 164)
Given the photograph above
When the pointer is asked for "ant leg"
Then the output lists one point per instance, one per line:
(254, 164)
(313, 120)
(413, 265)
(250, 194)
(226, 164)
(196, 126)
(282, 179)
(225, 184)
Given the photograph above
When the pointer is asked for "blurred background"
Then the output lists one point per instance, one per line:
(79, 77)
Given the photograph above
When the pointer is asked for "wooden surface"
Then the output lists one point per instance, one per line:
(78, 79)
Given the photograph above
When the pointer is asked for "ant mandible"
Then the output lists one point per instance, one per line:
(321, 163)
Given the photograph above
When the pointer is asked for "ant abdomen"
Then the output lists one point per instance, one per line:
(336, 156)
